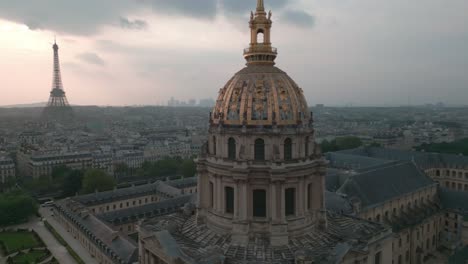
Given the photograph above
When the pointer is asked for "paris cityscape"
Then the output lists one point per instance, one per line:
(366, 167)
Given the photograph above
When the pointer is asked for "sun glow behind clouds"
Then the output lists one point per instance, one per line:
(19, 38)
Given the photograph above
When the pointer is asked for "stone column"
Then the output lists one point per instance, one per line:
(282, 208)
(300, 197)
(237, 197)
(273, 203)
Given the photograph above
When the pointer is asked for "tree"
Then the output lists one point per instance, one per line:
(95, 179)
(188, 168)
(456, 147)
(340, 143)
(16, 207)
(72, 183)
(121, 170)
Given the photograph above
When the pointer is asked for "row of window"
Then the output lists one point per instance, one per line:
(402, 208)
(259, 148)
(453, 174)
(456, 186)
(259, 200)
(121, 205)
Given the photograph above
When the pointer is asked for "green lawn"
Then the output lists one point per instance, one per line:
(29, 258)
(15, 241)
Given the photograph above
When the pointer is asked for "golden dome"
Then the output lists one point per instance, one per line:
(261, 95)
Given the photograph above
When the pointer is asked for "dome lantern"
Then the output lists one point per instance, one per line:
(260, 50)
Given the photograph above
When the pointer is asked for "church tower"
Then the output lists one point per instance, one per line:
(261, 181)
(57, 108)
(262, 174)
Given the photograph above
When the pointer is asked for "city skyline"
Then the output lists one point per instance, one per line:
(340, 53)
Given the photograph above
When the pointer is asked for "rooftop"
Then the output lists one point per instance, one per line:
(399, 179)
(193, 243)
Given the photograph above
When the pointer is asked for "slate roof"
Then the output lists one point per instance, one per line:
(149, 210)
(453, 199)
(120, 248)
(128, 193)
(377, 185)
(349, 161)
(338, 203)
(183, 183)
(423, 159)
(196, 242)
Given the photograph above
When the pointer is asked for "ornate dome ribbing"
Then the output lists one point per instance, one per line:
(261, 95)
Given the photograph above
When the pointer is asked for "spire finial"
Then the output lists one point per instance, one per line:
(260, 6)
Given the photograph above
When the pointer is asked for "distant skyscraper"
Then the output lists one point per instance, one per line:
(57, 108)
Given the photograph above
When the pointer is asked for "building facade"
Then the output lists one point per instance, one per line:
(7, 169)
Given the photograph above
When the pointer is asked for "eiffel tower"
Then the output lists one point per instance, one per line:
(58, 108)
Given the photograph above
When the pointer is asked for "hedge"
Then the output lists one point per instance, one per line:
(63, 242)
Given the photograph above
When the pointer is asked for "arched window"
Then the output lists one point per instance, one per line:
(214, 145)
(309, 196)
(259, 150)
(290, 201)
(232, 149)
(307, 146)
(229, 196)
(259, 203)
(288, 149)
(260, 36)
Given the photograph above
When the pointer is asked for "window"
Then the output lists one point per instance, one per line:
(378, 258)
(259, 150)
(229, 193)
(259, 203)
(399, 242)
(290, 201)
(377, 218)
(288, 149)
(231, 149)
(407, 256)
(309, 195)
(211, 195)
(260, 36)
(400, 259)
(307, 147)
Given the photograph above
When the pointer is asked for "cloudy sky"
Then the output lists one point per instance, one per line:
(129, 52)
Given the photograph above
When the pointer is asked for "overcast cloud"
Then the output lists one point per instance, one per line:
(362, 52)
